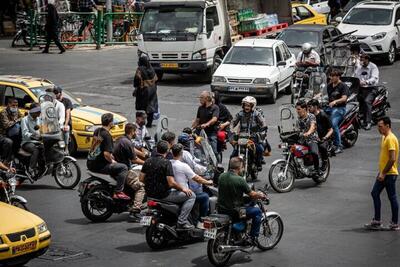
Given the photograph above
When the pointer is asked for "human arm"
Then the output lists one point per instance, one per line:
(175, 185)
(107, 147)
(256, 195)
(137, 80)
(312, 129)
(61, 114)
(336, 102)
(201, 180)
(328, 134)
(374, 77)
(214, 119)
(26, 133)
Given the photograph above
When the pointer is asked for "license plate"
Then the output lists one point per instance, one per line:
(210, 233)
(24, 248)
(145, 221)
(238, 89)
(169, 65)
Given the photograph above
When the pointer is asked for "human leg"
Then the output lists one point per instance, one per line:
(48, 41)
(336, 118)
(119, 172)
(150, 117)
(390, 184)
(369, 98)
(212, 138)
(6, 145)
(204, 202)
(187, 202)
(57, 42)
(256, 216)
(375, 193)
(132, 180)
(34, 151)
(315, 154)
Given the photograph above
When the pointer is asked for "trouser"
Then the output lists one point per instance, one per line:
(323, 150)
(255, 214)
(212, 139)
(187, 203)
(85, 21)
(337, 115)
(150, 117)
(118, 171)
(37, 154)
(6, 145)
(53, 36)
(66, 135)
(366, 98)
(203, 199)
(390, 184)
(314, 151)
(132, 180)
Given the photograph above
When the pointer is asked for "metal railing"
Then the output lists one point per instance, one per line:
(124, 27)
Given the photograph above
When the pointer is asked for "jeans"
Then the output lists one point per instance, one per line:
(337, 115)
(255, 214)
(366, 98)
(212, 138)
(314, 151)
(37, 154)
(187, 202)
(66, 135)
(390, 184)
(204, 203)
(6, 145)
(118, 171)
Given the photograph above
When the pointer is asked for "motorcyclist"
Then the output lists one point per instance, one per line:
(251, 120)
(324, 129)
(308, 126)
(187, 141)
(368, 74)
(308, 57)
(141, 134)
(231, 188)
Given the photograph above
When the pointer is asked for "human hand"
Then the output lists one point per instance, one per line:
(363, 83)
(203, 126)
(332, 104)
(187, 191)
(12, 170)
(380, 177)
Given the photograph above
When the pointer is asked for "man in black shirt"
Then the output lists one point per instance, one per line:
(324, 129)
(68, 108)
(158, 178)
(337, 93)
(101, 160)
(207, 118)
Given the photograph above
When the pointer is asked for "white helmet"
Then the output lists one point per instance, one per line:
(250, 100)
(306, 47)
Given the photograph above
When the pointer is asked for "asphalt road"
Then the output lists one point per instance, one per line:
(323, 224)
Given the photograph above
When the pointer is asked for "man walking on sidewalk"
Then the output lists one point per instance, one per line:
(387, 176)
(52, 28)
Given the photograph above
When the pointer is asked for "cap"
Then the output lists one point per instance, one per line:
(57, 89)
(35, 109)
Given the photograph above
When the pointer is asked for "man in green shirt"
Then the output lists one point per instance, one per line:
(231, 188)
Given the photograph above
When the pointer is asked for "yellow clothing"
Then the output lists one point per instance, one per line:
(389, 143)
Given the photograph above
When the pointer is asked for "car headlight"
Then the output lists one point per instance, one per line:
(91, 128)
(261, 81)
(378, 36)
(202, 54)
(41, 228)
(218, 79)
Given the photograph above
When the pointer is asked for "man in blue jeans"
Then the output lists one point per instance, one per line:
(337, 93)
(387, 176)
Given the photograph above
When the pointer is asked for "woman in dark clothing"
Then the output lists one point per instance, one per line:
(52, 28)
(145, 83)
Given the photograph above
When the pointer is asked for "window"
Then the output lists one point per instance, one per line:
(285, 52)
(22, 97)
(313, 2)
(212, 13)
(304, 13)
(278, 55)
(397, 16)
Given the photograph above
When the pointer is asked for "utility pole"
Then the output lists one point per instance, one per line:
(109, 20)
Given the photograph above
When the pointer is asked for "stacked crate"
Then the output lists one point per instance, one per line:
(234, 26)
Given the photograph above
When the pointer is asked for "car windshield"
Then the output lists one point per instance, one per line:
(369, 16)
(172, 20)
(295, 38)
(250, 56)
(41, 90)
(350, 4)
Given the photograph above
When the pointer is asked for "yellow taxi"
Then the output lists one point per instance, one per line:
(23, 236)
(305, 14)
(85, 119)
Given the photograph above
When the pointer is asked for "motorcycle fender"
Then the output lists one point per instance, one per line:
(277, 161)
(270, 213)
(19, 199)
(70, 158)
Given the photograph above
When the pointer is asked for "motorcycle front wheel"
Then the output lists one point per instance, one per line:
(155, 238)
(215, 256)
(280, 182)
(271, 232)
(96, 204)
(67, 174)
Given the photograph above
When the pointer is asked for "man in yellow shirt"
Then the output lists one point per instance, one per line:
(387, 176)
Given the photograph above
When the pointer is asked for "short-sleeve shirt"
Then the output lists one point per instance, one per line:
(102, 142)
(124, 151)
(389, 143)
(312, 56)
(337, 92)
(182, 173)
(205, 114)
(156, 170)
(231, 188)
(68, 105)
(323, 124)
(305, 125)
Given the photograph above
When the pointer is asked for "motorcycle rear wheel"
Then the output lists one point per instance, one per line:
(272, 226)
(155, 238)
(274, 177)
(97, 199)
(64, 175)
(214, 256)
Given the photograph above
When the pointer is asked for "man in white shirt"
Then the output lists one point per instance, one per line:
(308, 57)
(183, 174)
(368, 74)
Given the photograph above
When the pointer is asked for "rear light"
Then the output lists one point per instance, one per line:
(292, 149)
(208, 224)
(152, 204)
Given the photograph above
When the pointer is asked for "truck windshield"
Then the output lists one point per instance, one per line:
(250, 56)
(172, 20)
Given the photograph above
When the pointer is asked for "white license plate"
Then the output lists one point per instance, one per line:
(145, 221)
(238, 89)
(210, 233)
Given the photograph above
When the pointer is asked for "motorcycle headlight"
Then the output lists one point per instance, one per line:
(218, 79)
(61, 144)
(299, 74)
(261, 81)
(91, 128)
(202, 54)
(41, 228)
(12, 181)
(378, 36)
(283, 146)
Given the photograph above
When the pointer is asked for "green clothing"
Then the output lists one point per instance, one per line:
(231, 188)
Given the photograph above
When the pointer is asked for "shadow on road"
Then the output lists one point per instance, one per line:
(84, 221)
(237, 258)
(185, 80)
(29, 187)
(136, 230)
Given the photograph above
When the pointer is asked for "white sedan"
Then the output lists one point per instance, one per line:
(259, 67)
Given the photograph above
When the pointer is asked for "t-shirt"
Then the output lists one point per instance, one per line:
(389, 143)
(323, 124)
(231, 188)
(337, 92)
(205, 114)
(124, 151)
(182, 173)
(305, 125)
(312, 56)
(156, 170)
(102, 142)
(224, 114)
(68, 105)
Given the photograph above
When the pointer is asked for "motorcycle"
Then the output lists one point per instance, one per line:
(22, 34)
(226, 235)
(297, 162)
(8, 184)
(61, 166)
(307, 82)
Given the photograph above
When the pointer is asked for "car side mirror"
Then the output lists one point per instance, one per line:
(398, 22)
(28, 105)
(339, 19)
(209, 25)
(281, 63)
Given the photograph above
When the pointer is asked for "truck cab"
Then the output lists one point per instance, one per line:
(189, 36)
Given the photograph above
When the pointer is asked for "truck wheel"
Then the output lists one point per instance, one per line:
(216, 62)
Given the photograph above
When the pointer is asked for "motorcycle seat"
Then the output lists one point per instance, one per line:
(102, 176)
(221, 218)
(170, 206)
(24, 153)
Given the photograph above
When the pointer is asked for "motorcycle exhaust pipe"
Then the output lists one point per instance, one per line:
(169, 230)
(226, 249)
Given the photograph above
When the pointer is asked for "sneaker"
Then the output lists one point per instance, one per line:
(121, 195)
(374, 224)
(185, 226)
(368, 126)
(134, 216)
(338, 150)
(394, 226)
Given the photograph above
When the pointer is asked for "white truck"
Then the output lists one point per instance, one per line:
(192, 36)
